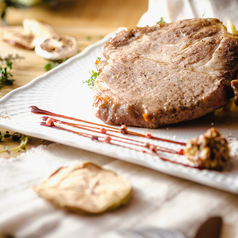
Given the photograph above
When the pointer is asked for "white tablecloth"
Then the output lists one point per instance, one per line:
(158, 200)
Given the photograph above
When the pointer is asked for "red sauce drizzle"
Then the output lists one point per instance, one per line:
(95, 128)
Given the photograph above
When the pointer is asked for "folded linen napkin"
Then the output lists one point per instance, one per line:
(173, 10)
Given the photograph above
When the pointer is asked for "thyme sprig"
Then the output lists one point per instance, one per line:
(15, 137)
(10, 57)
(6, 77)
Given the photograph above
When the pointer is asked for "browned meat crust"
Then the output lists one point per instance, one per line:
(168, 73)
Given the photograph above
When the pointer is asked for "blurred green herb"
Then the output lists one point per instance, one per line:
(5, 4)
(6, 78)
(94, 74)
(161, 21)
(15, 137)
(52, 64)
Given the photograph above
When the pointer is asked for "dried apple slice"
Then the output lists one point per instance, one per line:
(85, 188)
(28, 35)
(39, 30)
(15, 35)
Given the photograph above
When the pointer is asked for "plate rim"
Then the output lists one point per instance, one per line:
(173, 172)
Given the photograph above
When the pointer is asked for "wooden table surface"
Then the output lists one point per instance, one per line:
(87, 21)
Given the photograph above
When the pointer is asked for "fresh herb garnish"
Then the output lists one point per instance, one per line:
(94, 75)
(91, 80)
(52, 64)
(6, 78)
(161, 21)
(15, 137)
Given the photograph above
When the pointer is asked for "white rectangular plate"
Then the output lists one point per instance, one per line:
(62, 91)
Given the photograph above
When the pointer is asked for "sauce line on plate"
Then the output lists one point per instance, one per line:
(116, 140)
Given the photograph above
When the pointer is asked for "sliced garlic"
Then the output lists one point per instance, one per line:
(57, 47)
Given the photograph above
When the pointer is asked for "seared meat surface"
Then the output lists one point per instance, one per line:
(168, 73)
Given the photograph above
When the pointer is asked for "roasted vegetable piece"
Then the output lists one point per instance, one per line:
(208, 151)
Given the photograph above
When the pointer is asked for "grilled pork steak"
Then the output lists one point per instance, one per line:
(168, 73)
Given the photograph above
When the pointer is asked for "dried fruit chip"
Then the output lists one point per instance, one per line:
(85, 188)
(28, 35)
(208, 151)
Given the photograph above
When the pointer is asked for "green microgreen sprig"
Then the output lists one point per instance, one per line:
(94, 74)
(161, 21)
